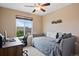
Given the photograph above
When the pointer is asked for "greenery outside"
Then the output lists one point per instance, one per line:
(20, 31)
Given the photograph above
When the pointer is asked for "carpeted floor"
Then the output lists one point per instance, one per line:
(33, 51)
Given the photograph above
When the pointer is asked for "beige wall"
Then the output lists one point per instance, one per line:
(8, 21)
(70, 21)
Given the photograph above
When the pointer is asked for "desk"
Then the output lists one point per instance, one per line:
(12, 48)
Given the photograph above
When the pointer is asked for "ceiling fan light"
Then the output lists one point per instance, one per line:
(37, 8)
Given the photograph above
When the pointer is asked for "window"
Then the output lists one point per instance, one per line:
(24, 26)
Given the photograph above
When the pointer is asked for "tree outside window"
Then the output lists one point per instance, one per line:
(23, 27)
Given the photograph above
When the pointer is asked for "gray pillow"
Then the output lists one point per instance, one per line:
(38, 35)
(65, 35)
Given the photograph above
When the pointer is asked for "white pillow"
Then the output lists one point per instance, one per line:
(52, 35)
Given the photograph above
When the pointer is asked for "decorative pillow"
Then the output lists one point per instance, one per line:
(65, 35)
(38, 35)
(57, 35)
(60, 34)
(52, 35)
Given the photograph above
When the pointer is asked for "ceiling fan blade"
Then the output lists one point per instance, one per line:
(28, 6)
(34, 10)
(46, 4)
(43, 10)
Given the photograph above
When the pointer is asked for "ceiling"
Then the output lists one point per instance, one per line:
(20, 7)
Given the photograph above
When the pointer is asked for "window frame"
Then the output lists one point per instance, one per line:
(30, 19)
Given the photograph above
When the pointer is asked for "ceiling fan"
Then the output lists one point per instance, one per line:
(38, 6)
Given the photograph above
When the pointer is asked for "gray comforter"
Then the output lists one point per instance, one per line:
(47, 45)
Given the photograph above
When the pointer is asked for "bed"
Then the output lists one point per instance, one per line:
(50, 47)
(46, 45)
